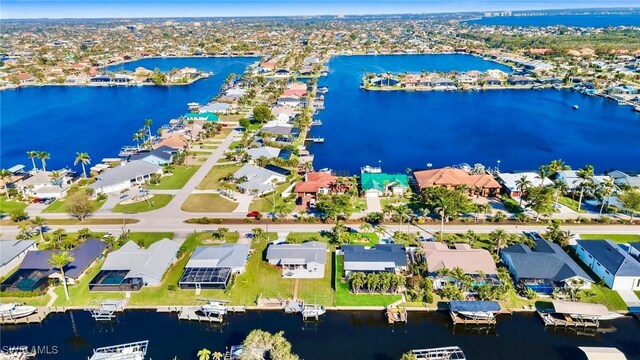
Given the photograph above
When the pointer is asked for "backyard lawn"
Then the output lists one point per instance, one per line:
(179, 177)
(208, 203)
(570, 203)
(157, 201)
(212, 180)
(603, 295)
(344, 296)
(7, 206)
(618, 238)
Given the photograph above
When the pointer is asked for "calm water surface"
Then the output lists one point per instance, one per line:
(99, 120)
(521, 128)
(594, 20)
(340, 335)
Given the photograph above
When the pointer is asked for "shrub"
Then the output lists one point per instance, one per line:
(204, 220)
(18, 215)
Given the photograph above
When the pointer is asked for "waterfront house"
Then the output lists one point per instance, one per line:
(266, 152)
(159, 156)
(35, 271)
(123, 177)
(211, 267)
(634, 249)
(299, 261)
(217, 108)
(492, 81)
(131, 267)
(174, 141)
(473, 262)
(621, 178)
(442, 83)
(315, 183)
(543, 268)
(293, 101)
(509, 181)
(203, 117)
(12, 252)
(381, 258)
(382, 184)
(518, 80)
(481, 184)
(617, 268)
(257, 180)
(570, 177)
(41, 184)
(464, 79)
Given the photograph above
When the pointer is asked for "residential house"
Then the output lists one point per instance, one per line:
(617, 268)
(267, 152)
(634, 249)
(211, 267)
(35, 271)
(203, 116)
(473, 262)
(518, 80)
(510, 180)
(492, 81)
(257, 180)
(570, 177)
(300, 261)
(315, 183)
(381, 258)
(125, 176)
(482, 184)
(131, 267)
(544, 268)
(159, 156)
(174, 141)
(382, 184)
(217, 108)
(42, 184)
(12, 252)
(621, 178)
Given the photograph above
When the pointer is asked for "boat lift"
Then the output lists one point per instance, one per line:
(443, 353)
(106, 310)
(312, 311)
(130, 351)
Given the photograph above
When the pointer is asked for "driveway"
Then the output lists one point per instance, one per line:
(373, 203)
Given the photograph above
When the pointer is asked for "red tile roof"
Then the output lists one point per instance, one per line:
(454, 177)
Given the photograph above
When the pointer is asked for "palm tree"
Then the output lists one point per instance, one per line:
(4, 175)
(44, 156)
(605, 189)
(39, 223)
(147, 125)
(522, 184)
(560, 187)
(84, 159)
(204, 354)
(60, 260)
(557, 165)
(217, 355)
(543, 172)
(585, 175)
(32, 154)
(56, 176)
(137, 137)
(499, 236)
(366, 228)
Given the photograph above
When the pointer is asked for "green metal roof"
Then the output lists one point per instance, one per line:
(378, 181)
(209, 116)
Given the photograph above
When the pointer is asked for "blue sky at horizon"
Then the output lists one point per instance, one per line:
(26, 9)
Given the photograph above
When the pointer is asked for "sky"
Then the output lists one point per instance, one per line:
(26, 9)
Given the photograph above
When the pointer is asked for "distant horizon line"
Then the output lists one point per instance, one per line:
(601, 8)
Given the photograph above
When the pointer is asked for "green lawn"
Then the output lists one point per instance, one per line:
(511, 205)
(393, 201)
(318, 291)
(618, 238)
(157, 201)
(149, 238)
(179, 177)
(7, 206)
(212, 180)
(208, 203)
(367, 239)
(265, 204)
(570, 203)
(5, 298)
(603, 295)
(58, 206)
(344, 297)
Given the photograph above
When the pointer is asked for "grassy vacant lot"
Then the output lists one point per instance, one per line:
(179, 177)
(7, 206)
(618, 238)
(224, 133)
(208, 203)
(157, 201)
(265, 204)
(570, 203)
(212, 180)
(344, 297)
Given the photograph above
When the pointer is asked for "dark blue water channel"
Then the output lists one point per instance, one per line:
(521, 128)
(591, 20)
(339, 335)
(63, 120)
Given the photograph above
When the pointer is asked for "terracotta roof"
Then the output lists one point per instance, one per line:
(454, 177)
(314, 181)
(471, 261)
(173, 141)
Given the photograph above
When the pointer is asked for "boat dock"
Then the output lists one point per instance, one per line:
(457, 319)
(34, 318)
(474, 312)
(106, 310)
(565, 320)
(17, 353)
(130, 351)
(443, 353)
(319, 140)
(316, 123)
(194, 313)
(396, 314)
(312, 312)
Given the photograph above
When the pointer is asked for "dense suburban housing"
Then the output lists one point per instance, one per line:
(544, 268)
(132, 267)
(617, 268)
(211, 267)
(306, 260)
(381, 258)
(12, 252)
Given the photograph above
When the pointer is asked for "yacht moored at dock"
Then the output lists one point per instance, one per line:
(474, 312)
(15, 311)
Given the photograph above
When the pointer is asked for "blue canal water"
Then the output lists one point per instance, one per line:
(521, 128)
(99, 120)
(339, 335)
(592, 20)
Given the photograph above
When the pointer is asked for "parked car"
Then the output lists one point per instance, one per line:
(49, 200)
(36, 200)
(254, 214)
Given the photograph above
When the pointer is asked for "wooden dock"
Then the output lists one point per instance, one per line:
(457, 319)
(567, 321)
(191, 313)
(396, 314)
(34, 318)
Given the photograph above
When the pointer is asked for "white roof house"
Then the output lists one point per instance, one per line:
(224, 256)
(12, 252)
(41, 184)
(509, 181)
(570, 177)
(263, 151)
(148, 264)
(123, 177)
(258, 180)
(305, 260)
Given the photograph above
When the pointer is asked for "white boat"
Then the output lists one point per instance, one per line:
(370, 170)
(610, 316)
(576, 107)
(131, 351)
(214, 308)
(478, 315)
(15, 311)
